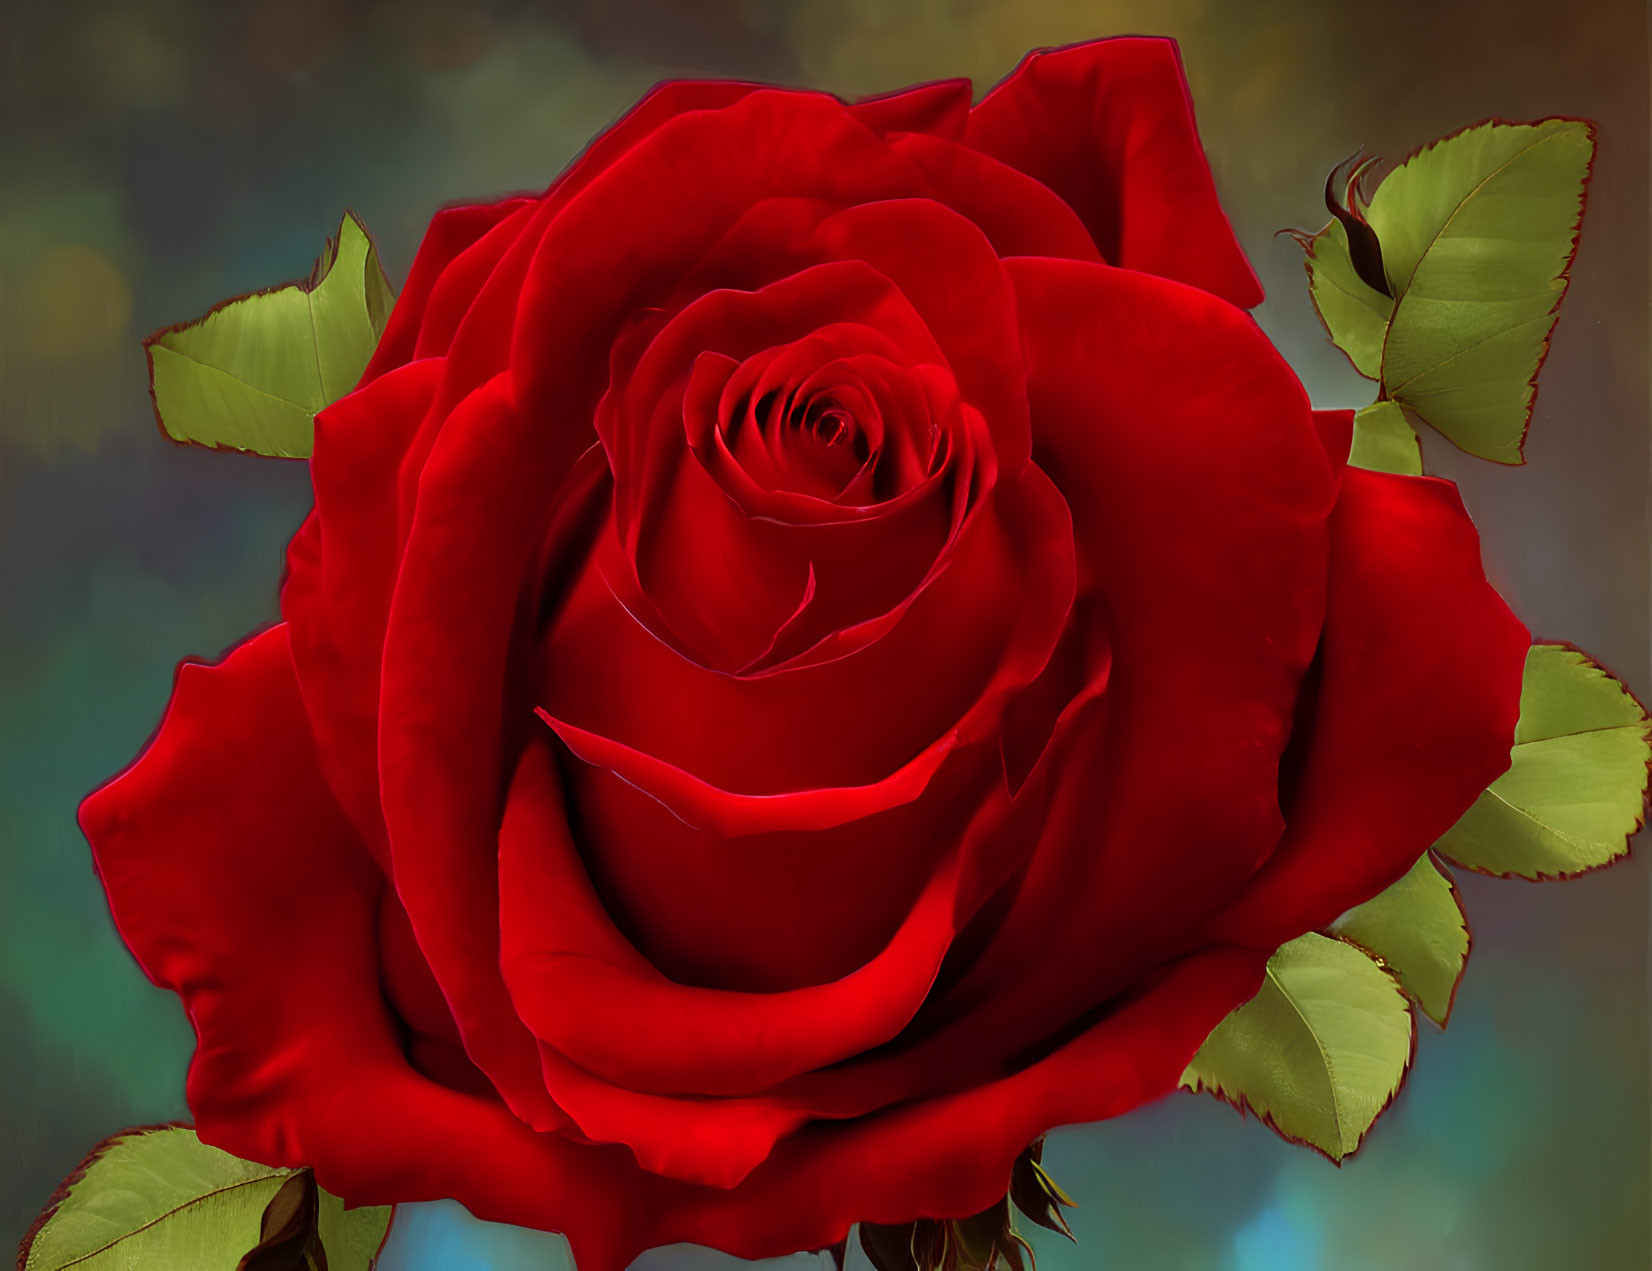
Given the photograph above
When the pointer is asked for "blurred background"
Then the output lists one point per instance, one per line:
(159, 157)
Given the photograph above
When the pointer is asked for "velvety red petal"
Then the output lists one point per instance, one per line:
(767, 912)
(944, 265)
(299, 1063)
(707, 1142)
(1336, 434)
(633, 231)
(463, 278)
(481, 343)
(773, 910)
(1109, 127)
(722, 581)
(1419, 678)
(731, 814)
(585, 989)
(791, 747)
(444, 733)
(952, 1155)
(451, 231)
(408, 983)
(940, 109)
(342, 568)
(270, 943)
(1020, 215)
(661, 104)
(1200, 495)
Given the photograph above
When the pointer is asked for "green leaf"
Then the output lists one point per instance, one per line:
(252, 373)
(1319, 1052)
(1576, 786)
(1478, 231)
(1355, 315)
(1416, 928)
(159, 1197)
(1385, 441)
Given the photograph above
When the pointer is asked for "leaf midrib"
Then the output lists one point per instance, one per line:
(176, 1209)
(245, 383)
(1324, 1055)
(1462, 352)
(1527, 815)
(1435, 237)
(1584, 732)
(1530, 817)
(315, 338)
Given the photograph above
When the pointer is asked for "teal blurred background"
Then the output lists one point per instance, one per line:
(159, 157)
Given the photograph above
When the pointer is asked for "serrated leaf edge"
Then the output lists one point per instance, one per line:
(1305, 241)
(1243, 1106)
(78, 1175)
(1551, 315)
(1468, 934)
(1617, 857)
(99, 1150)
(323, 265)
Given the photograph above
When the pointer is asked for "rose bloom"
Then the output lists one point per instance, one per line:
(829, 644)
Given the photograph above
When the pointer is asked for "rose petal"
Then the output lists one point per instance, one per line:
(585, 989)
(707, 1142)
(946, 268)
(482, 342)
(491, 481)
(462, 279)
(1418, 691)
(730, 814)
(1200, 507)
(952, 1155)
(455, 229)
(813, 743)
(341, 570)
(624, 239)
(940, 109)
(297, 1060)
(1019, 215)
(1109, 127)
(1336, 434)
(721, 581)
(452, 230)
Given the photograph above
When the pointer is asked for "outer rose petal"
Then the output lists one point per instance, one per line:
(585, 989)
(1336, 434)
(631, 233)
(462, 280)
(1200, 509)
(454, 229)
(940, 109)
(443, 732)
(258, 907)
(1109, 127)
(1419, 689)
(1019, 215)
(451, 231)
(298, 1061)
(952, 1155)
(341, 569)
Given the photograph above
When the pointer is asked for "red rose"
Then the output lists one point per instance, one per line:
(828, 644)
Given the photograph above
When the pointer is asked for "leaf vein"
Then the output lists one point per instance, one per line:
(176, 1209)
